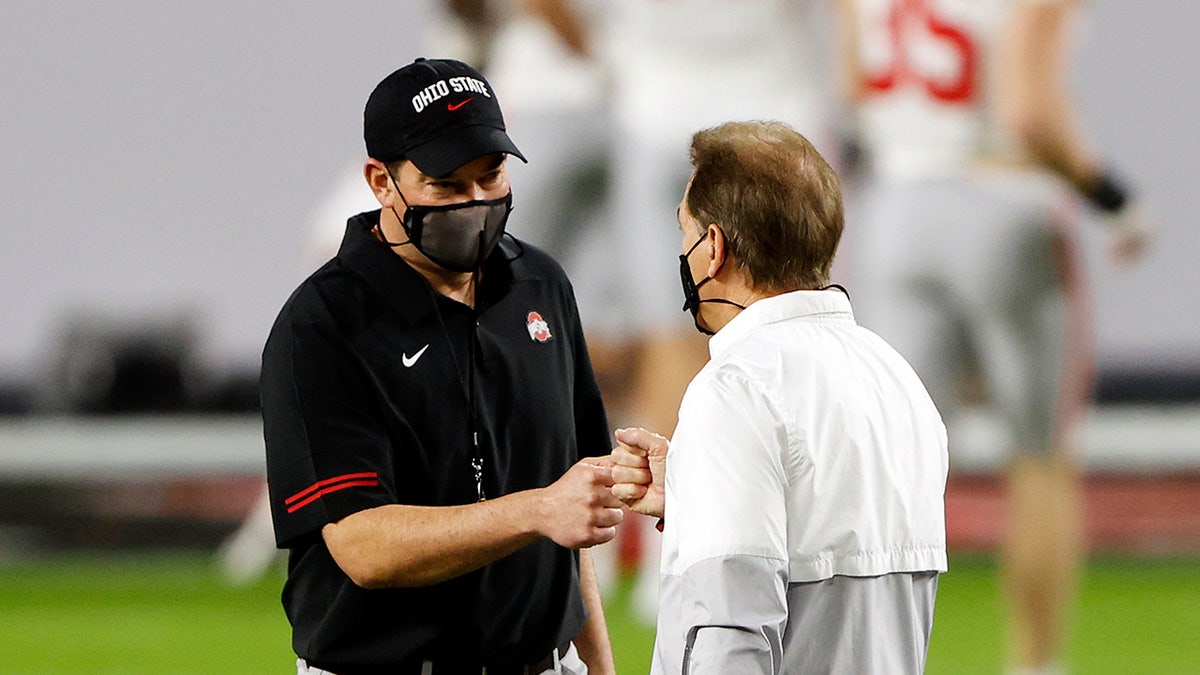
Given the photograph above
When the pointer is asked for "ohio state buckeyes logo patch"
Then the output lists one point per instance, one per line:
(539, 330)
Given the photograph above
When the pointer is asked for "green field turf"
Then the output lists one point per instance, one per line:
(170, 614)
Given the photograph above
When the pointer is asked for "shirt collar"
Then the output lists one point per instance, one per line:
(401, 286)
(825, 305)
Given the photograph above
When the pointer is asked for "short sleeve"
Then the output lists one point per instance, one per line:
(327, 454)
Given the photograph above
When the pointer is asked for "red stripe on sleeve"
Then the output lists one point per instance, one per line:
(323, 487)
(333, 488)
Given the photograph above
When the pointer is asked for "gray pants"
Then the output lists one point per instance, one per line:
(982, 270)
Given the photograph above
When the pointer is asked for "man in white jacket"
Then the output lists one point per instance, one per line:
(803, 509)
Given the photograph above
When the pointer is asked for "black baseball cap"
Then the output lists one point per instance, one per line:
(437, 113)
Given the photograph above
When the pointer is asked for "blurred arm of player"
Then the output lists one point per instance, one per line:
(465, 30)
(849, 86)
(565, 21)
(480, 19)
(639, 470)
(473, 13)
(1033, 104)
(849, 76)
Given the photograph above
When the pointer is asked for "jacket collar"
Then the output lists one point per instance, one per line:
(830, 305)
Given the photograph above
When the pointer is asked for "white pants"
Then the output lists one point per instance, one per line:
(570, 664)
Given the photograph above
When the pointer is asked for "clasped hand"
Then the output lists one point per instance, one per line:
(579, 510)
(639, 470)
(583, 507)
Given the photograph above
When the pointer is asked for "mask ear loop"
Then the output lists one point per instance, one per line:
(836, 287)
(692, 299)
(379, 230)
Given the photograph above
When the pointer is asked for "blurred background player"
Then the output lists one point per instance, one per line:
(967, 252)
(678, 66)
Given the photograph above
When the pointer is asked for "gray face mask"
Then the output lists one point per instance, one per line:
(458, 237)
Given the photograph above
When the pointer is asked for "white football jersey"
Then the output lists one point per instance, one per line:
(929, 69)
(525, 60)
(688, 64)
(536, 72)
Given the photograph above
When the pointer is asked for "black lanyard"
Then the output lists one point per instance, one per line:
(467, 386)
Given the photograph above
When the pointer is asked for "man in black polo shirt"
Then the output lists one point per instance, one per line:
(428, 400)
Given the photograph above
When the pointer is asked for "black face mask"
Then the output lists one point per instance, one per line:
(691, 290)
(458, 237)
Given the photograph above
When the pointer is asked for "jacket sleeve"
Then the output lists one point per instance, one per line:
(725, 567)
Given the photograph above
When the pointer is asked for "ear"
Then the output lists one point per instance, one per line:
(380, 183)
(719, 250)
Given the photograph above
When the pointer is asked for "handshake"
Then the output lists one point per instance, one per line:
(584, 506)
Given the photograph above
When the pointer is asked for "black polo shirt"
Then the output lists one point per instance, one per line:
(373, 386)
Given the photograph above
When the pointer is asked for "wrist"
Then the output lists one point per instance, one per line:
(535, 512)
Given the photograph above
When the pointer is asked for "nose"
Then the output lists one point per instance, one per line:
(477, 192)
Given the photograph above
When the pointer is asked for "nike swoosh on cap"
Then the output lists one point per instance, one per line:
(408, 361)
(455, 106)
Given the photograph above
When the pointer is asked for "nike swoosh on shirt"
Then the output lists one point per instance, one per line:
(408, 361)
(455, 106)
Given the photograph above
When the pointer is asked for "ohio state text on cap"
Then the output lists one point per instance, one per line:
(437, 113)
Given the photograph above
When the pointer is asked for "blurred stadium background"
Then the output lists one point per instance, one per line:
(161, 164)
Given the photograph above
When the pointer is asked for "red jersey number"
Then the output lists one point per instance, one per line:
(911, 20)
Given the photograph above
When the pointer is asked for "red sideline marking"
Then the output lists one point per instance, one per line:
(321, 488)
(1153, 514)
